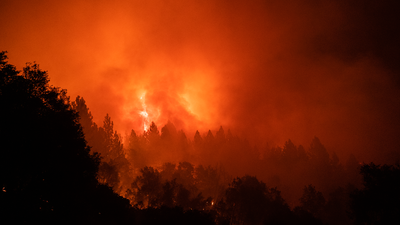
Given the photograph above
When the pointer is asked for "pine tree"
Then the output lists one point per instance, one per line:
(47, 173)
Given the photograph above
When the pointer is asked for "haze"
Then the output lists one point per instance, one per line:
(267, 70)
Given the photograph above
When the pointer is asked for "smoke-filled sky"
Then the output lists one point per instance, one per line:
(267, 70)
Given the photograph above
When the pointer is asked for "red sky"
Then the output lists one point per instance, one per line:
(267, 70)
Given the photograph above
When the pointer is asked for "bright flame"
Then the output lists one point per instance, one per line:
(144, 113)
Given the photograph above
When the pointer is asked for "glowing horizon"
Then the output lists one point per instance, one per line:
(300, 69)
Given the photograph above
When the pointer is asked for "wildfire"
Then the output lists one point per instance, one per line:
(144, 113)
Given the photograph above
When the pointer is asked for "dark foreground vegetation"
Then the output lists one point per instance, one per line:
(50, 175)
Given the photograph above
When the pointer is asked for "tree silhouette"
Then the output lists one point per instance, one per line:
(92, 133)
(147, 188)
(318, 153)
(185, 175)
(290, 154)
(352, 169)
(210, 182)
(108, 174)
(312, 201)
(152, 190)
(209, 140)
(220, 137)
(183, 146)
(378, 202)
(198, 140)
(90, 128)
(338, 206)
(136, 152)
(249, 201)
(47, 173)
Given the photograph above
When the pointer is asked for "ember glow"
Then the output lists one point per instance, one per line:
(267, 70)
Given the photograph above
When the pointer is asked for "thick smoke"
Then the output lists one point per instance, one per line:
(267, 70)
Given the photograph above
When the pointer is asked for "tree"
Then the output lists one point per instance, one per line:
(153, 145)
(209, 139)
(183, 145)
(289, 153)
(47, 173)
(185, 175)
(168, 170)
(166, 135)
(352, 169)
(250, 201)
(85, 116)
(378, 202)
(302, 153)
(198, 144)
(153, 134)
(324, 174)
(220, 137)
(147, 188)
(337, 208)
(168, 132)
(111, 141)
(108, 175)
(113, 156)
(136, 153)
(169, 192)
(90, 129)
(312, 201)
(318, 153)
(208, 181)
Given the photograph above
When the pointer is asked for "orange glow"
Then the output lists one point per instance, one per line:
(301, 69)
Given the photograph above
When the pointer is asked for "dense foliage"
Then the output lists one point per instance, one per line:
(47, 173)
(58, 166)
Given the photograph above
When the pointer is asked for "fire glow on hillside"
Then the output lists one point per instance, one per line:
(303, 68)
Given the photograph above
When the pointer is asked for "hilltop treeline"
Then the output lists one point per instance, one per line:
(289, 168)
(59, 167)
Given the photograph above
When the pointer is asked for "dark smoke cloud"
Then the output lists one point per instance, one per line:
(268, 70)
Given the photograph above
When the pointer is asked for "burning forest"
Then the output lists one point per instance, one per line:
(188, 112)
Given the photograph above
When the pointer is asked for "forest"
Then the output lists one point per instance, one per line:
(59, 167)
